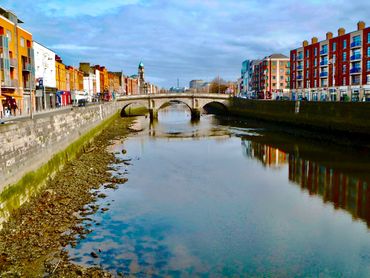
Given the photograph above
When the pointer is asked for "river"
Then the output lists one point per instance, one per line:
(223, 197)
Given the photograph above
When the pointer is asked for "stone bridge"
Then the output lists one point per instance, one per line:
(154, 102)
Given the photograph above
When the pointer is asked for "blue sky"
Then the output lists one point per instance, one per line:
(181, 39)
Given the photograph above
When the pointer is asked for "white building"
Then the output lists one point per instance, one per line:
(45, 76)
(97, 77)
(90, 86)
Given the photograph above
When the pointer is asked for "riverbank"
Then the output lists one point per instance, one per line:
(345, 119)
(32, 240)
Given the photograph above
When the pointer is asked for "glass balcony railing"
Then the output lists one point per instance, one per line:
(324, 63)
(356, 57)
(324, 74)
(27, 67)
(299, 67)
(299, 77)
(355, 70)
(324, 52)
(300, 57)
(356, 44)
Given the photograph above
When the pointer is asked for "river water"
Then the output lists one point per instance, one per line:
(223, 198)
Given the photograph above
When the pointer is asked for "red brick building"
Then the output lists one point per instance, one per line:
(335, 69)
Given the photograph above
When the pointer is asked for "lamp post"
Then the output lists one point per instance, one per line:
(45, 64)
(332, 62)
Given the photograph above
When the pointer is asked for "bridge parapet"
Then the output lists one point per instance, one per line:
(154, 102)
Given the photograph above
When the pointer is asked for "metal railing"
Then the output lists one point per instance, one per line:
(356, 44)
(356, 57)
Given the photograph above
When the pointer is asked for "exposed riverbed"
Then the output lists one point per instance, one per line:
(214, 198)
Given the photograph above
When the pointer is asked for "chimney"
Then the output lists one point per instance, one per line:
(314, 40)
(361, 25)
(305, 43)
(341, 31)
(329, 35)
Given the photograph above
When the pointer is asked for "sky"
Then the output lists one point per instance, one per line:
(185, 39)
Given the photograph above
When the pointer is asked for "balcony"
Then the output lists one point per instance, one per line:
(299, 77)
(356, 82)
(356, 70)
(27, 85)
(27, 67)
(4, 42)
(356, 57)
(356, 44)
(300, 57)
(324, 74)
(323, 63)
(299, 67)
(13, 83)
(324, 52)
(13, 62)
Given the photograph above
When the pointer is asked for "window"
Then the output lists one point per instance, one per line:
(307, 64)
(344, 81)
(9, 35)
(281, 84)
(22, 42)
(315, 73)
(315, 83)
(315, 62)
(273, 77)
(281, 77)
(344, 56)
(357, 39)
(307, 53)
(344, 44)
(334, 47)
(368, 37)
(368, 51)
(307, 74)
(273, 84)
(315, 51)
(368, 65)
(344, 68)
(368, 77)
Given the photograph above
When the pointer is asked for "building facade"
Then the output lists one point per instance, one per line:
(45, 74)
(270, 77)
(17, 72)
(335, 69)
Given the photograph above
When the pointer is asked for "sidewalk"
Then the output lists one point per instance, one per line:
(37, 114)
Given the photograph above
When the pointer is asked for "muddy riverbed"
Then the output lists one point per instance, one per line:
(33, 241)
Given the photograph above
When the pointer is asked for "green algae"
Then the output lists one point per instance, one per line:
(13, 196)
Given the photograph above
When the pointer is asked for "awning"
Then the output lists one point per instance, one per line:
(13, 96)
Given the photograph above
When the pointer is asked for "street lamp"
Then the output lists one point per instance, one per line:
(45, 64)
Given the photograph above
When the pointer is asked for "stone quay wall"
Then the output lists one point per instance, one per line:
(349, 117)
(28, 144)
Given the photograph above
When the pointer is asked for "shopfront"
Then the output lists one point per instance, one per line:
(355, 94)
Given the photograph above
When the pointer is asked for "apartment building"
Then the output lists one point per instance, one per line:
(17, 66)
(335, 69)
(45, 75)
(270, 77)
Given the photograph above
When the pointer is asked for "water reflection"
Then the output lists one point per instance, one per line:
(195, 205)
(344, 191)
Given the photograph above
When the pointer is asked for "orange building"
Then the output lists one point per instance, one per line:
(61, 74)
(74, 79)
(131, 85)
(17, 66)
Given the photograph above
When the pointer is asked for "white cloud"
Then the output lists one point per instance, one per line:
(72, 8)
(72, 47)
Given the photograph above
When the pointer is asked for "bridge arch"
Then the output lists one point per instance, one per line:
(135, 102)
(165, 102)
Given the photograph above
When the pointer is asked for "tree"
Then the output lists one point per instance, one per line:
(218, 85)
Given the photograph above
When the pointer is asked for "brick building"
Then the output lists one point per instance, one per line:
(336, 69)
